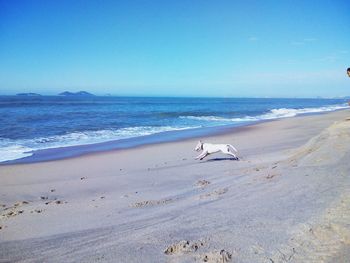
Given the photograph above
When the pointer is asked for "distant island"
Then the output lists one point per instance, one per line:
(66, 93)
(28, 94)
(79, 93)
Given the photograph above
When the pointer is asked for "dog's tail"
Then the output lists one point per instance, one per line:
(232, 147)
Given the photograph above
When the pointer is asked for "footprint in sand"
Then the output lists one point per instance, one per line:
(151, 203)
(272, 175)
(202, 183)
(54, 201)
(273, 171)
(129, 194)
(259, 168)
(2, 227)
(13, 209)
(21, 203)
(59, 202)
(214, 194)
(221, 256)
(38, 211)
(183, 246)
(12, 213)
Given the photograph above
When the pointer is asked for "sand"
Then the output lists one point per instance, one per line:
(286, 200)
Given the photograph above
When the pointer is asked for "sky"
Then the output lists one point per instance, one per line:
(195, 48)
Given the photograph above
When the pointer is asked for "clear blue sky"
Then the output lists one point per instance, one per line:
(176, 48)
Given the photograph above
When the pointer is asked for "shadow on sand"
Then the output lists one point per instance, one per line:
(222, 159)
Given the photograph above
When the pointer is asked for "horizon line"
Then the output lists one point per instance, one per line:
(169, 96)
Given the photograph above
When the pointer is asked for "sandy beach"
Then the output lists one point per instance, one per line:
(286, 200)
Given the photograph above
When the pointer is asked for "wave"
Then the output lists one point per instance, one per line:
(12, 149)
(272, 114)
(16, 149)
(13, 152)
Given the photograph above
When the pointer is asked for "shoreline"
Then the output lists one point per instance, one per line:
(66, 152)
(287, 197)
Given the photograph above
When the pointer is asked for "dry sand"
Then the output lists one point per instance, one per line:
(286, 200)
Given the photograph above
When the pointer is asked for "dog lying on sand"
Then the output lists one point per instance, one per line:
(209, 148)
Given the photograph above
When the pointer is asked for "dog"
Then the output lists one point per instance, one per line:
(209, 148)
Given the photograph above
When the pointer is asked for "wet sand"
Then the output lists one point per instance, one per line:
(286, 200)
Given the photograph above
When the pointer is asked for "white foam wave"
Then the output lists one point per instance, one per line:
(91, 137)
(218, 119)
(13, 152)
(16, 149)
(273, 114)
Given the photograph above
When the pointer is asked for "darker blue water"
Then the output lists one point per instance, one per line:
(29, 124)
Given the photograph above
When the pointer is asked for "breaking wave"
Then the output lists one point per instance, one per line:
(16, 149)
(272, 114)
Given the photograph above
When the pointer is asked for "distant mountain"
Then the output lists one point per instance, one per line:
(28, 94)
(79, 93)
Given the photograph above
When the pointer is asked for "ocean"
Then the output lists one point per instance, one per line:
(40, 128)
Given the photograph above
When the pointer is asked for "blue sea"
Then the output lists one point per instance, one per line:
(37, 128)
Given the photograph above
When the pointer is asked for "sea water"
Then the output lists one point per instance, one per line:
(34, 124)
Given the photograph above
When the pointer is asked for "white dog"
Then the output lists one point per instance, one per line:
(209, 148)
